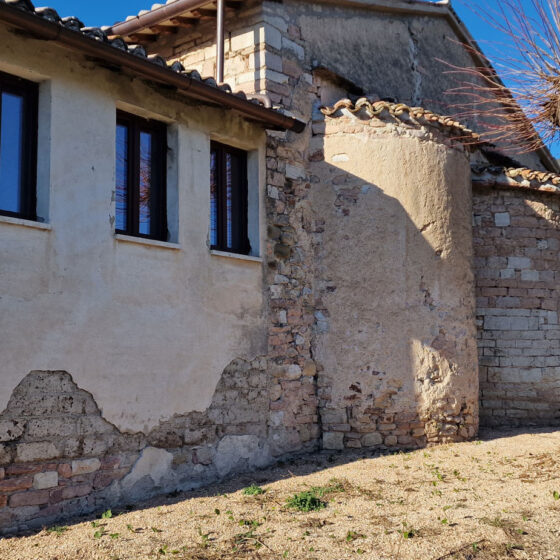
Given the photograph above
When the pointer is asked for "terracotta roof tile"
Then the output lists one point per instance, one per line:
(384, 109)
(100, 34)
(517, 177)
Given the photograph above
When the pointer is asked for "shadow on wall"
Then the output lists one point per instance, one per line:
(395, 337)
(516, 245)
(60, 458)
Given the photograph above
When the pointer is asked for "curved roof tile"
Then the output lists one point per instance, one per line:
(382, 109)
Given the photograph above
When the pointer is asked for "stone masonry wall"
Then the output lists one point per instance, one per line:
(59, 458)
(262, 55)
(394, 290)
(517, 250)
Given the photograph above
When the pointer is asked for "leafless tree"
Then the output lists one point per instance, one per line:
(526, 112)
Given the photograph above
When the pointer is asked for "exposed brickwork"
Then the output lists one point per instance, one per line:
(517, 248)
(60, 458)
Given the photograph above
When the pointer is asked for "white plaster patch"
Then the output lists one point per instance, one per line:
(155, 463)
(340, 157)
(233, 449)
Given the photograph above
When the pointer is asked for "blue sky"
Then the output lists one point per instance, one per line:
(107, 12)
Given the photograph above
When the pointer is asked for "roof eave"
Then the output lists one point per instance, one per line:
(51, 31)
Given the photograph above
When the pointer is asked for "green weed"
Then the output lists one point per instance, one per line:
(253, 490)
(306, 501)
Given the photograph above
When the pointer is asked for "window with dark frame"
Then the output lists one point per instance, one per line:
(228, 199)
(18, 147)
(141, 207)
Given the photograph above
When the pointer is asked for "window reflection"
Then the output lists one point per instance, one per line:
(11, 152)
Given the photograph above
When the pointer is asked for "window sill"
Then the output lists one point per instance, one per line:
(236, 256)
(25, 223)
(147, 242)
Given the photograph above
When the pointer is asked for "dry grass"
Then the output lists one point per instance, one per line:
(471, 501)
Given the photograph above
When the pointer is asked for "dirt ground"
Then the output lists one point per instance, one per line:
(495, 498)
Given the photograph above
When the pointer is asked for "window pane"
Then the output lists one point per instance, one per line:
(122, 178)
(11, 136)
(145, 183)
(213, 199)
(229, 202)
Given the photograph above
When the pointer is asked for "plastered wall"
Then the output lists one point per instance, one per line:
(395, 344)
(146, 328)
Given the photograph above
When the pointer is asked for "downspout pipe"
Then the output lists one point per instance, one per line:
(104, 52)
(220, 38)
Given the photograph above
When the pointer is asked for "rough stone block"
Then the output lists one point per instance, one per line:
(85, 466)
(333, 440)
(203, 455)
(30, 498)
(530, 275)
(371, 440)
(391, 441)
(45, 480)
(39, 451)
(11, 430)
(519, 263)
(70, 492)
(502, 219)
(16, 484)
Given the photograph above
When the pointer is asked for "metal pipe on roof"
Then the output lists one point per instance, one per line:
(44, 29)
(220, 56)
(156, 16)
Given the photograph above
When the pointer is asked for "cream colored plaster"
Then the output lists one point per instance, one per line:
(396, 256)
(146, 330)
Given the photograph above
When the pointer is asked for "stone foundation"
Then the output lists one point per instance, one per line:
(59, 458)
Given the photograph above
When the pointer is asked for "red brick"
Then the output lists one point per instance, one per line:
(76, 491)
(2, 473)
(31, 498)
(65, 470)
(15, 484)
(105, 478)
(3, 501)
(19, 470)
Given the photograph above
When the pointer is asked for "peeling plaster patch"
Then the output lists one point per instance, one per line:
(155, 463)
(340, 157)
(233, 450)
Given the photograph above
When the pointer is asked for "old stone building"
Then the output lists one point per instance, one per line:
(200, 278)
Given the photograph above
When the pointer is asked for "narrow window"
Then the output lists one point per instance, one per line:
(228, 199)
(18, 147)
(141, 148)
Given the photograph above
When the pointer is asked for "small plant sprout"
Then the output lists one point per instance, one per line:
(107, 514)
(253, 490)
(407, 531)
(353, 535)
(556, 495)
(306, 501)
